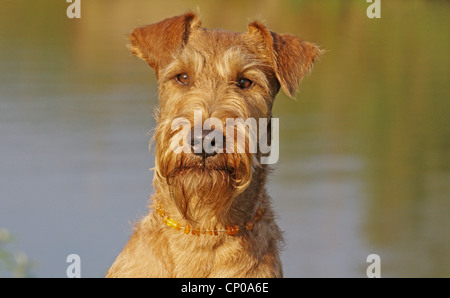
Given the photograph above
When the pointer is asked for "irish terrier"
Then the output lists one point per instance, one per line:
(211, 215)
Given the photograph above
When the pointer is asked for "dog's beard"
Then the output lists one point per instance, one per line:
(204, 185)
(201, 185)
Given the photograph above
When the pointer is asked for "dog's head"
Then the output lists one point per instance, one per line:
(215, 89)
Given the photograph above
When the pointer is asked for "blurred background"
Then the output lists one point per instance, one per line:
(364, 149)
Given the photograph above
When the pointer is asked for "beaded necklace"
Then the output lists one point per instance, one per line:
(230, 231)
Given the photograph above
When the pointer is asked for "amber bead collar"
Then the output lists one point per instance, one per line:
(230, 231)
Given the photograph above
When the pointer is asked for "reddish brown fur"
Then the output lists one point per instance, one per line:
(223, 190)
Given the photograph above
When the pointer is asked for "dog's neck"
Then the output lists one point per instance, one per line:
(231, 230)
(232, 211)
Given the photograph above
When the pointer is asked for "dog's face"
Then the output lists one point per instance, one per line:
(206, 77)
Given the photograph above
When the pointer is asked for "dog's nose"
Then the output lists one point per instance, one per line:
(205, 144)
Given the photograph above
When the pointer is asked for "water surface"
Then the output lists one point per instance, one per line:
(364, 164)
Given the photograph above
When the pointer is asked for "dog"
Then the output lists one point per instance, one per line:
(211, 215)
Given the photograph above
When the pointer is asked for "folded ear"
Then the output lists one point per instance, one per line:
(291, 56)
(157, 43)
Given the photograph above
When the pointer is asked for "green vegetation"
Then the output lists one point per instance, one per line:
(12, 264)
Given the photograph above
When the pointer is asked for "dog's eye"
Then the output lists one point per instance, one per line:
(244, 83)
(183, 79)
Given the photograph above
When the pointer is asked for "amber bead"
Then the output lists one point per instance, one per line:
(249, 225)
(203, 231)
(187, 229)
(258, 214)
(231, 231)
(160, 212)
(215, 232)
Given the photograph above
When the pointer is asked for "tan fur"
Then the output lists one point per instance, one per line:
(223, 190)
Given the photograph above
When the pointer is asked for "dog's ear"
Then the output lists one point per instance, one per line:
(157, 43)
(291, 56)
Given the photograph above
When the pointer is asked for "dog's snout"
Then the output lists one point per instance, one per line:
(207, 143)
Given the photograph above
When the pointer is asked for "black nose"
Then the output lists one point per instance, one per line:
(207, 144)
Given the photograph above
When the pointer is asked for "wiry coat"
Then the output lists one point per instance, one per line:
(223, 190)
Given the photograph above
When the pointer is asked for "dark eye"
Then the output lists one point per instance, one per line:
(244, 83)
(183, 79)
